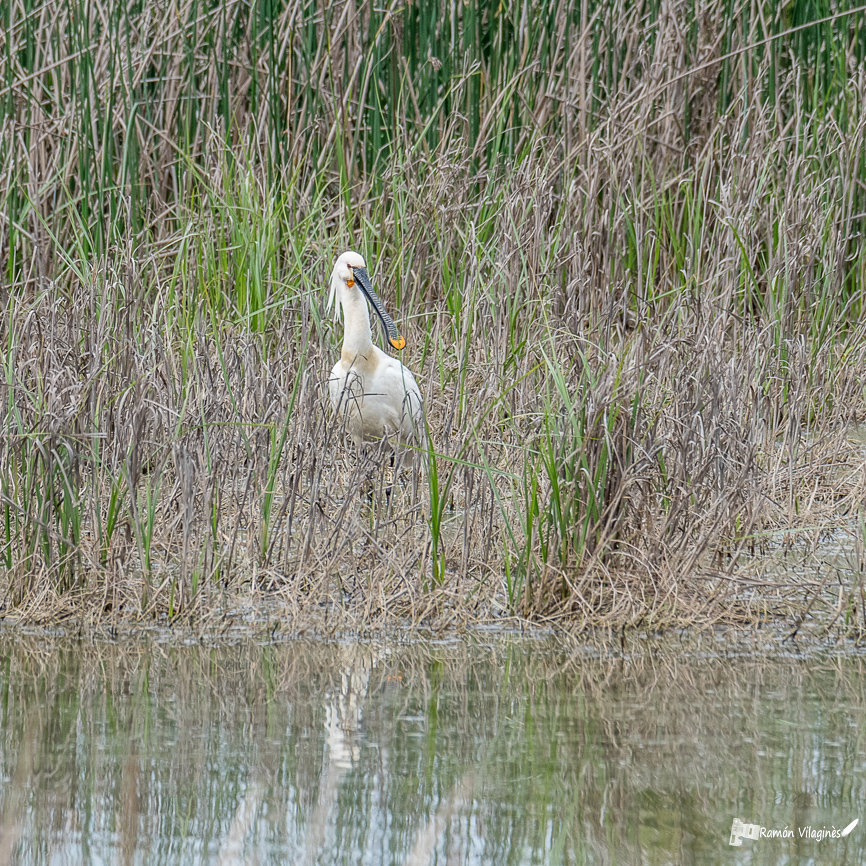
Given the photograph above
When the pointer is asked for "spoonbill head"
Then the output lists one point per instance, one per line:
(371, 391)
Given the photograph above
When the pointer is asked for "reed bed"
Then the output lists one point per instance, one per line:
(623, 242)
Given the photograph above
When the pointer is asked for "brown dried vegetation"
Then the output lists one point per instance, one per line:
(630, 281)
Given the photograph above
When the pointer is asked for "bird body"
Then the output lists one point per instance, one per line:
(376, 396)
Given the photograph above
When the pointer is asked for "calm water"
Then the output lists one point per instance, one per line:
(500, 752)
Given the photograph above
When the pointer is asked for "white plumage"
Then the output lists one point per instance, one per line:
(373, 393)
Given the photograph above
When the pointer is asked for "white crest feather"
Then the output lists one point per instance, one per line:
(332, 298)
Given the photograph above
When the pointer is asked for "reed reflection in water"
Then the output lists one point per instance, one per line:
(474, 752)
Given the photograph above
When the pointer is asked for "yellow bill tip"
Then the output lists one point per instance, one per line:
(397, 342)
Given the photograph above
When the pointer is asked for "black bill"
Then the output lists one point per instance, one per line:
(391, 334)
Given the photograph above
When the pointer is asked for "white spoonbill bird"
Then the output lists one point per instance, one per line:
(374, 393)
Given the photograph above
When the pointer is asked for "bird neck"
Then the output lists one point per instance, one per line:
(357, 336)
